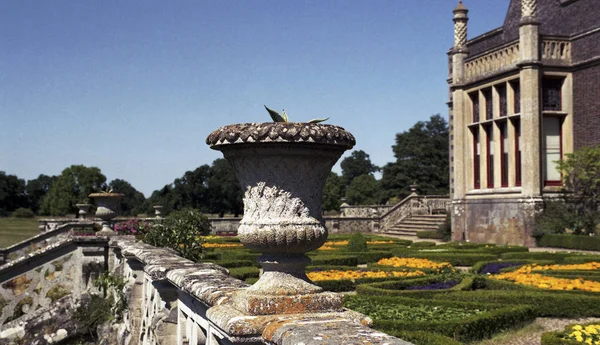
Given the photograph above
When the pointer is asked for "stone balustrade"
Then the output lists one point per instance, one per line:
(556, 51)
(496, 61)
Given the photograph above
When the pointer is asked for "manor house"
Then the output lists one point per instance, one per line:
(522, 96)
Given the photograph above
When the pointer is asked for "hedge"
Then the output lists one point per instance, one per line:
(339, 285)
(586, 275)
(556, 257)
(243, 273)
(582, 259)
(580, 242)
(423, 244)
(361, 257)
(334, 260)
(234, 263)
(398, 287)
(477, 267)
(424, 338)
(432, 234)
(546, 304)
(456, 258)
(493, 320)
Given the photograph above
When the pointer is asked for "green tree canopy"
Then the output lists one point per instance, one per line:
(12, 193)
(581, 174)
(363, 190)
(71, 187)
(333, 192)
(36, 190)
(133, 200)
(225, 193)
(421, 157)
(210, 189)
(358, 163)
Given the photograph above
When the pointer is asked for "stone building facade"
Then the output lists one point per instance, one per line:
(522, 96)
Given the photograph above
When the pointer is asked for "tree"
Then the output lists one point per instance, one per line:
(359, 163)
(363, 190)
(12, 193)
(70, 188)
(225, 193)
(581, 174)
(132, 202)
(421, 157)
(333, 192)
(36, 190)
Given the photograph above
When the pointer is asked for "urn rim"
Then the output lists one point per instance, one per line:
(95, 195)
(280, 132)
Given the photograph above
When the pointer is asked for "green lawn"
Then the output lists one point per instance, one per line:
(15, 230)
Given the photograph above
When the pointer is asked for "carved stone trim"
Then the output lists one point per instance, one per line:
(286, 132)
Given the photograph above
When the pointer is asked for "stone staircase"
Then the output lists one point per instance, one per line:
(411, 225)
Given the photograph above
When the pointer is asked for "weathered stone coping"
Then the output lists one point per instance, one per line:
(212, 286)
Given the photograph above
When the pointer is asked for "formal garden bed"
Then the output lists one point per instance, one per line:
(416, 291)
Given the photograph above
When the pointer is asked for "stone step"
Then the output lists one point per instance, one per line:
(416, 225)
(424, 222)
(401, 232)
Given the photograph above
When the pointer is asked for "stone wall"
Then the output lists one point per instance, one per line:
(507, 221)
(586, 105)
(364, 211)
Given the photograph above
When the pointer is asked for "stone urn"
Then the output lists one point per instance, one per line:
(83, 210)
(282, 167)
(158, 211)
(107, 206)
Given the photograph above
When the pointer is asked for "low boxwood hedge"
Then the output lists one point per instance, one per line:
(456, 258)
(243, 273)
(586, 275)
(398, 287)
(580, 242)
(423, 244)
(493, 319)
(424, 338)
(545, 303)
(432, 234)
(555, 257)
(581, 259)
(334, 260)
(361, 257)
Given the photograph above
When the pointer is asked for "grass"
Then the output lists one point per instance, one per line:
(15, 230)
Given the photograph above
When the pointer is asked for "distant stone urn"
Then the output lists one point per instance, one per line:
(107, 206)
(282, 166)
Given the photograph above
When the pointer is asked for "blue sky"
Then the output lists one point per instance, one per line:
(134, 87)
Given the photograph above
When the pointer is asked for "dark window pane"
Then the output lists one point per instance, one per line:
(551, 94)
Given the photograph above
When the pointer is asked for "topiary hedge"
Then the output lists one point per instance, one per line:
(334, 260)
(555, 257)
(243, 273)
(579, 242)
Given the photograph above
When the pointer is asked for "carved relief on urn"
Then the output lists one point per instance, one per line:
(282, 167)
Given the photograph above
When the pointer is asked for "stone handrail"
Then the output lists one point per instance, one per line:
(400, 211)
(32, 283)
(497, 60)
(556, 50)
(42, 240)
(414, 204)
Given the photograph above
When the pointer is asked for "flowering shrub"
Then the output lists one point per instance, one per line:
(352, 275)
(589, 334)
(133, 227)
(526, 276)
(415, 263)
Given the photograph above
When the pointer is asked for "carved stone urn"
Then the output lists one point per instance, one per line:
(83, 210)
(282, 166)
(107, 206)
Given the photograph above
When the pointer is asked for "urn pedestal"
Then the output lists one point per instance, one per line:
(107, 206)
(282, 168)
(84, 209)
